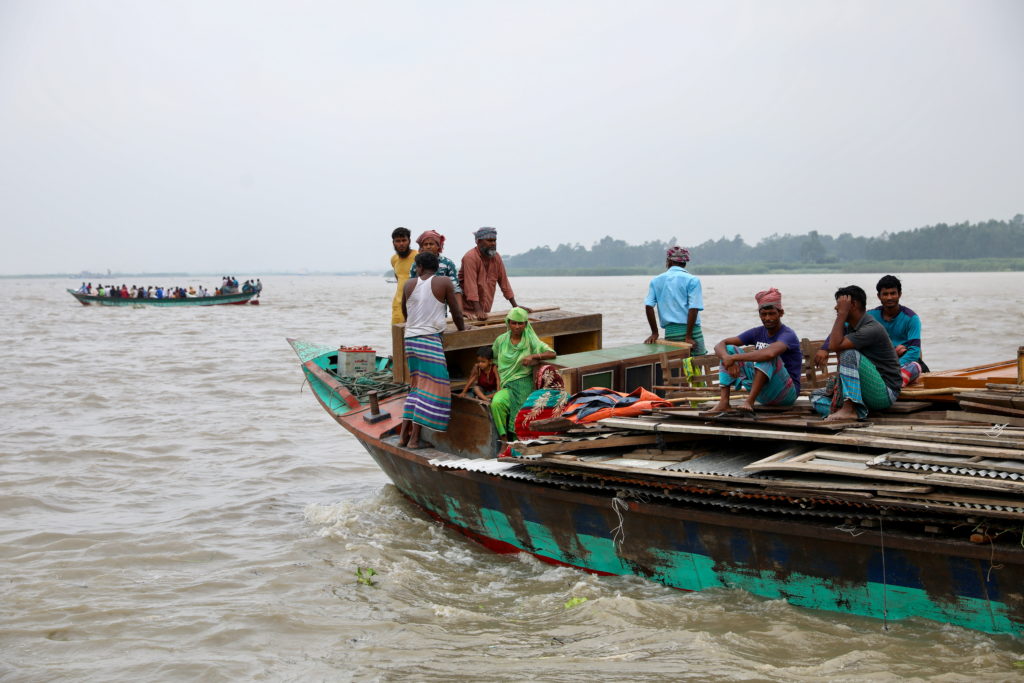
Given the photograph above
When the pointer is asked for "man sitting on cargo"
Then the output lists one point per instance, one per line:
(770, 372)
(868, 377)
(429, 403)
(902, 325)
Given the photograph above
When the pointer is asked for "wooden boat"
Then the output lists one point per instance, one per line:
(237, 298)
(917, 513)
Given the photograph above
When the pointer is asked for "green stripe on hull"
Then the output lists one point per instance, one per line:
(330, 399)
(691, 571)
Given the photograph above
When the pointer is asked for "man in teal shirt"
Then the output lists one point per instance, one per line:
(679, 299)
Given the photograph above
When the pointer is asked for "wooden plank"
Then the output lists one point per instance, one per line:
(1005, 399)
(987, 417)
(948, 437)
(587, 444)
(826, 465)
(845, 438)
(1018, 388)
(824, 486)
(907, 406)
(977, 407)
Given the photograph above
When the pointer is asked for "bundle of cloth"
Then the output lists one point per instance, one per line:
(590, 405)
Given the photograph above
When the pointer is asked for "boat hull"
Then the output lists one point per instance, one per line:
(224, 299)
(812, 559)
(821, 566)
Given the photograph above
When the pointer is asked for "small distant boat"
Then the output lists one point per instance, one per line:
(220, 300)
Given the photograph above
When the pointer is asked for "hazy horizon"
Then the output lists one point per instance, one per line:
(259, 136)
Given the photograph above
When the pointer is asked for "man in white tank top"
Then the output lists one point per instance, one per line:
(424, 302)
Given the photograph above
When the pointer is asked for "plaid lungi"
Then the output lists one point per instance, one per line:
(859, 381)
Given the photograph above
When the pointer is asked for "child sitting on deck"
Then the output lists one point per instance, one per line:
(483, 380)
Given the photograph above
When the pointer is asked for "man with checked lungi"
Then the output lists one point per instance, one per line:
(770, 372)
(868, 377)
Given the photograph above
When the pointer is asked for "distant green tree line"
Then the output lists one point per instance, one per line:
(942, 246)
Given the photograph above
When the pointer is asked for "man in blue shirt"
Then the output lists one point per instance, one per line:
(770, 372)
(679, 299)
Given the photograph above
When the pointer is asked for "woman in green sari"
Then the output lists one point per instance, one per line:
(516, 352)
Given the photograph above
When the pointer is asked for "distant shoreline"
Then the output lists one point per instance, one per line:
(981, 265)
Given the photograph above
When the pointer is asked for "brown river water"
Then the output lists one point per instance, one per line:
(174, 505)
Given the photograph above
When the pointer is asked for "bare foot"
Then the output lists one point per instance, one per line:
(721, 407)
(844, 414)
(403, 434)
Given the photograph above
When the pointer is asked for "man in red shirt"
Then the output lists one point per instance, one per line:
(482, 271)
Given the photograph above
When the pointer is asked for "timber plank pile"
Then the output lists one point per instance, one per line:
(968, 461)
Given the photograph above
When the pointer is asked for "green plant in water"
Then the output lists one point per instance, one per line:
(364, 575)
(573, 601)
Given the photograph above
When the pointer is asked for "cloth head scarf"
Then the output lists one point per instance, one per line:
(432, 234)
(509, 356)
(769, 297)
(678, 255)
(486, 234)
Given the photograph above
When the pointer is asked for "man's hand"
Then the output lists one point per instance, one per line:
(528, 310)
(653, 338)
(820, 359)
(731, 366)
(843, 306)
(900, 350)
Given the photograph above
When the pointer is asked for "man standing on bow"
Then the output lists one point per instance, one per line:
(481, 272)
(679, 298)
(771, 372)
(425, 303)
(401, 262)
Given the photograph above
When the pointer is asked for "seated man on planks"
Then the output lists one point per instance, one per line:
(868, 377)
(902, 325)
(771, 372)
(424, 300)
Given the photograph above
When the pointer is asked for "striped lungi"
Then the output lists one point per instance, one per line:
(780, 389)
(429, 402)
(859, 381)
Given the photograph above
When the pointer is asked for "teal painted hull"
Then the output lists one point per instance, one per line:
(813, 565)
(881, 565)
(91, 300)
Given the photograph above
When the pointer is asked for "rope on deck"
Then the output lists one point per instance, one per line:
(381, 381)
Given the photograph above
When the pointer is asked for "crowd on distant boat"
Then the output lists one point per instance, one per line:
(229, 285)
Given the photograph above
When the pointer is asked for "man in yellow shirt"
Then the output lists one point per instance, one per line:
(401, 263)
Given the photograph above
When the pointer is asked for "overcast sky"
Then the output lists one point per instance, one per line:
(258, 136)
